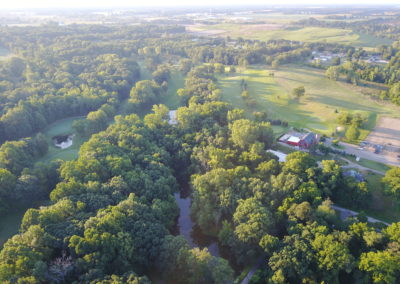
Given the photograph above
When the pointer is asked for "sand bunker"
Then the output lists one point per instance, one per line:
(63, 141)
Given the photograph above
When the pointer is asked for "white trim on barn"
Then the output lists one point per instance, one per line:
(294, 139)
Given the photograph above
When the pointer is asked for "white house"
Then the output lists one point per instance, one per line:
(172, 117)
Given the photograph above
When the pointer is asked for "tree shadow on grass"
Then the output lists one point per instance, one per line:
(346, 104)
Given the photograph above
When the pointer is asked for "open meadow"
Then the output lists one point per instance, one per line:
(267, 32)
(62, 127)
(317, 110)
(382, 206)
(177, 81)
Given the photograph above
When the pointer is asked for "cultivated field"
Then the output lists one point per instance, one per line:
(317, 110)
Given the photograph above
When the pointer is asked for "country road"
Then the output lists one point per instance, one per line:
(389, 158)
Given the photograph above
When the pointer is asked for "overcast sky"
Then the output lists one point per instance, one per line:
(7, 4)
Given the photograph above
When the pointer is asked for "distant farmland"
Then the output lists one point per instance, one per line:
(308, 34)
(317, 110)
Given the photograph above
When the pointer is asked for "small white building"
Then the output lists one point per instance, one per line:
(172, 118)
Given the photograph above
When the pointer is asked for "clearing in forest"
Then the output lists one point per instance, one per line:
(62, 127)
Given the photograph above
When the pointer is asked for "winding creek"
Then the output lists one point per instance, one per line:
(188, 229)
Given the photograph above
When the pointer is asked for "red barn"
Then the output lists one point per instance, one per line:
(294, 141)
(308, 140)
(300, 140)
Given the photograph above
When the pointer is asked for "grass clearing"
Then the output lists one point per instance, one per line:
(370, 164)
(62, 127)
(10, 222)
(176, 82)
(382, 206)
(316, 110)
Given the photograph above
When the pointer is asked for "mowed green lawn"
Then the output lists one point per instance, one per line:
(177, 81)
(306, 34)
(11, 221)
(316, 110)
(62, 127)
(382, 206)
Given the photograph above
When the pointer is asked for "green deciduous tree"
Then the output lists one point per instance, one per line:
(392, 181)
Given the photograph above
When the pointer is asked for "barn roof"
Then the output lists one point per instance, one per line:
(294, 139)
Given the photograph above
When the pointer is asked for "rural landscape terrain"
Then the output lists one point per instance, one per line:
(200, 145)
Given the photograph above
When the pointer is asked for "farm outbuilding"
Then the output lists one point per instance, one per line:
(301, 140)
(172, 117)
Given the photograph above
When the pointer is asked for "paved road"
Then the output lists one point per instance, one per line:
(389, 158)
(346, 213)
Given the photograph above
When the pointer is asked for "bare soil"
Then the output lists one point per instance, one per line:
(386, 133)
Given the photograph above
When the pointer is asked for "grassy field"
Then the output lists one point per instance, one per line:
(370, 164)
(10, 222)
(382, 206)
(316, 110)
(306, 34)
(62, 127)
(176, 82)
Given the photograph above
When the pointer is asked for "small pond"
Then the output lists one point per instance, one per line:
(63, 141)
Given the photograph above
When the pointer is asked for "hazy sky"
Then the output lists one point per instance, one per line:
(7, 4)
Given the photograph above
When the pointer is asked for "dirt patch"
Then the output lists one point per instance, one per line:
(386, 133)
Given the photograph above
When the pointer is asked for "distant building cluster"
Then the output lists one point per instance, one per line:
(301, 140)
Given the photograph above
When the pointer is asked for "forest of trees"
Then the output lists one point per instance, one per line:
(112, 211)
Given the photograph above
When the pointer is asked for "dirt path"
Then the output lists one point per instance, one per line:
(253, 270)
(346, 213)
(357, 166)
